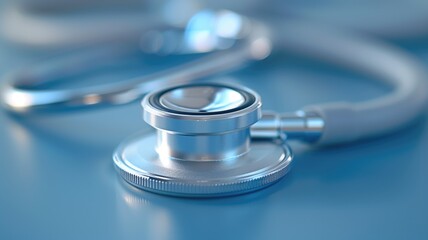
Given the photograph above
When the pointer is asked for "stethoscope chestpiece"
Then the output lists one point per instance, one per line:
(202, 146)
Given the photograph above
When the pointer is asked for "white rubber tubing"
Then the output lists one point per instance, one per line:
(344, 121)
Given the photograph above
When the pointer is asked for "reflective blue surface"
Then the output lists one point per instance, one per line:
(57, 179)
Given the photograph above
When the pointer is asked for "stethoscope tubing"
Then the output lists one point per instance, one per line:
(344, 122)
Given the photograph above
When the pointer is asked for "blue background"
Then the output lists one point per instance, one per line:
(57, 179)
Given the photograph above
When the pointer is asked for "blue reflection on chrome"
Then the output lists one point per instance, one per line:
(209, 30)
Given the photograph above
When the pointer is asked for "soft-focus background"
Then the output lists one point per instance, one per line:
(57, 179)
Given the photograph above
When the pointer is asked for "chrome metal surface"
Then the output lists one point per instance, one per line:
(231, 116)
(202, 122)
(301, 125)
(203, 147)
(202, 99)
(203, 144)
(139, 164)
(227, 50)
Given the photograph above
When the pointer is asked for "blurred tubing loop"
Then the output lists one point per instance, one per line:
(324, 123)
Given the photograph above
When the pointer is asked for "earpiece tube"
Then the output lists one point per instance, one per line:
(343, 122)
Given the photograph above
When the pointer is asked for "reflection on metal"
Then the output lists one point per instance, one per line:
(201, 99)
(228, 49)
(203, 145)
(301, 125)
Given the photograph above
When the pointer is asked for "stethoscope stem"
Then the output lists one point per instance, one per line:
(300, 125)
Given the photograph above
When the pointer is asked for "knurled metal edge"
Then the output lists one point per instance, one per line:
(177, 188)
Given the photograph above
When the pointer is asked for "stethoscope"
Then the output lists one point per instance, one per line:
(212, 139)
(45, 24)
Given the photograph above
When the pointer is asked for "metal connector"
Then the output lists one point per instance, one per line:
(300, 125)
